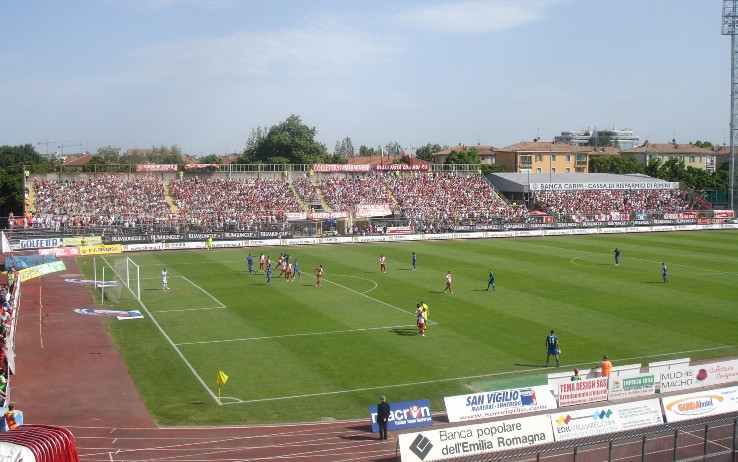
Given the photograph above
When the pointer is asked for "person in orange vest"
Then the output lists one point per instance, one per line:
(605, 367)
(10, 418)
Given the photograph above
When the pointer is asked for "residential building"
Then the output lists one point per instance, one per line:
(546, 157)
(709, 159)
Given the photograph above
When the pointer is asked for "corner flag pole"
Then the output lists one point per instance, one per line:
(221, 380)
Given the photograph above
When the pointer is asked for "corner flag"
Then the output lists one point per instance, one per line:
(222, 378)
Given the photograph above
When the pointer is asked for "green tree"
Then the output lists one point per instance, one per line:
(345, 148)
(335, 159)
(257, 136)
(673, 170)
(109, 153)
(133, 157)
(653, 167)
(492, 168)
(613, 163)
(366, 151)
(165, 155)
(426, 152)
(470, 156)
(698, 178)
(721, 179)
(290, 142)
(211, 159)
(13, 159)
(98, 164)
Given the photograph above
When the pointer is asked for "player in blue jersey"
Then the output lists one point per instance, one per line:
(664, 272)
(415, 261)
(552, 347)
(491, 281)
(296, 269)
(617, 256)
(269, 274)
(250, 262)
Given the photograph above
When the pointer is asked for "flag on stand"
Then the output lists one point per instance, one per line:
(399, 151)
(222, 378)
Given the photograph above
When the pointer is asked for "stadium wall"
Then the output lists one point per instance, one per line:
(111, 244)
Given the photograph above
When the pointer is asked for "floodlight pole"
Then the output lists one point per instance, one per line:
(730, 18)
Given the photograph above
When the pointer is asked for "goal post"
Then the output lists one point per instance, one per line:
(130, 275)
(113, 276)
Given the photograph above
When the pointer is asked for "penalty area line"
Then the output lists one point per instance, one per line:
(268, 337)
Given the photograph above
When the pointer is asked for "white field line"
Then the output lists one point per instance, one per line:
(268, 337)
(712, 258)
(174, 346)
(367, 296)
(450, 379)
(219, 305)
(192, 369)
(655, 262)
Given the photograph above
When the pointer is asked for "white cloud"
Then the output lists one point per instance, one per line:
(476, 16)
(326, 50)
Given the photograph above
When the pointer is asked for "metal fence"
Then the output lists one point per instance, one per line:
(711, 440)
(222, 168)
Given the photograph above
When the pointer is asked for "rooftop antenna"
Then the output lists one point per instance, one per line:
(730, 19)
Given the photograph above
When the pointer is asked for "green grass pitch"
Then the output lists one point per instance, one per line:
(294, 352)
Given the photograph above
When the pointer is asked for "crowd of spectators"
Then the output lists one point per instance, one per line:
(444, 197)
(345, 193)
(106, 199)
(430, 202)
(307, 191)
(235, 203)
(592, 201)
(6, 319)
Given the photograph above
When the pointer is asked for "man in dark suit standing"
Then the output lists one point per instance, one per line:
(383, 412)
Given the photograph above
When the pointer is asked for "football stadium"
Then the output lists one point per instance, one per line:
(183, 284)
(252, 302)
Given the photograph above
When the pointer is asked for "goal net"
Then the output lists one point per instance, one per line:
(118, 280)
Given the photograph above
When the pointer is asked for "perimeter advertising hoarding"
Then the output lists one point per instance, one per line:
(156, 167)
(582, 391)
(582, 423)
(40, 270)
(372, 210)
(631, 386)
(327, 168)
(704, 375)
(605, 185)
(407, 414)
(36, 243)
(700, 404)
(402, 168)
(82, 240)
(60, 252)
(100, 249)
(499, 403)
(469, 440)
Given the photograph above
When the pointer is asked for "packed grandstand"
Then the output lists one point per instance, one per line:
(423, 201)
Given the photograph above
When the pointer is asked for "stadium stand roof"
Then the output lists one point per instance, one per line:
(519, 182)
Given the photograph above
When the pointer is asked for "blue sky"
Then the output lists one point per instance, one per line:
(202, 74)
